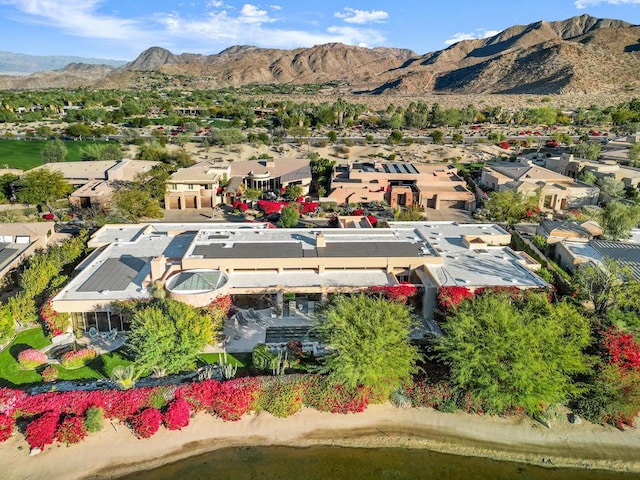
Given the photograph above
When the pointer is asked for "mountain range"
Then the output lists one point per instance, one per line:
(580, 55)
(22, 64)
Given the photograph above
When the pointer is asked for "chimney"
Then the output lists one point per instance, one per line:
(320, 240)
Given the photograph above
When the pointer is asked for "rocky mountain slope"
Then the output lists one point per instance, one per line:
(579, 55)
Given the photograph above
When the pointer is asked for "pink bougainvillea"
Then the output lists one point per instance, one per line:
(6, 426)
(146, 423)
(451, 297)
(71, 430)
(177, 415)
(42, 431)
(622, 349)
(396, 293)
(31, 358)
(78, 358)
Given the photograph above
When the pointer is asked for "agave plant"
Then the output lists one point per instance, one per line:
(125, 376)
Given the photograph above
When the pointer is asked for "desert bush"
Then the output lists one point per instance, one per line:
(94, 419)
(50, 374)
(281, 396)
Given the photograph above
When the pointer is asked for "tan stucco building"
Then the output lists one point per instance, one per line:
(401, 184)
(557, 191)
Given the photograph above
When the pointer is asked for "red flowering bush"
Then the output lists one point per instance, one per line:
(432, 395)
(56, 323)
(48, 216)
(372, 220)
(451, 297)
(238, 205)
(6, 426)
(222, 303)
(146, 423)
(78, 358)
(309, 207)
(177, 414)
(397, 293)
(622, 349)
(269, 206)
(31, 359)
(71, 430)
(227, 400)
(504, 145)
(42, 431)
(325, 395)
(50, 374)
(10, 400)
(358, 212)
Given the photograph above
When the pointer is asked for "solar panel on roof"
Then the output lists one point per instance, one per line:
(114, 274)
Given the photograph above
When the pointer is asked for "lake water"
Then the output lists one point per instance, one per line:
(328, 463)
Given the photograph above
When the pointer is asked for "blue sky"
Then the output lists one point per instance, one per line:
(121, 29)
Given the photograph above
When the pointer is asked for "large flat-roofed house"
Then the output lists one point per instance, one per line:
(401, 184)
(95, 180)
(557, 191)
(198, 186)
(573, 166)
(197, 263)
(570, 255)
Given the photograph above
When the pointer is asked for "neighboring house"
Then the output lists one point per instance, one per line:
(193, 187)
(557, 191)
(20, 240)
(568, 165)
(198, 186)
(570, 255)
(96, 179)
(196, 263)
(555, 231)
(401, 184)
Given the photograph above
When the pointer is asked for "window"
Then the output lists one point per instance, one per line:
(174, 186)
(190, 186)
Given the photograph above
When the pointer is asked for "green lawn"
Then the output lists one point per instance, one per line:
(25, 154)
(239, 359)
(11, 375)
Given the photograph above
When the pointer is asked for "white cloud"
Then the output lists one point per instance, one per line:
(275, 7)
(479, 33)
(361, 17)
(252, 14)
(592, 3)
(219, 26)
(78, 17)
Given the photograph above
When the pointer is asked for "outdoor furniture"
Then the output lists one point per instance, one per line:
(113, 334)
(93, 333)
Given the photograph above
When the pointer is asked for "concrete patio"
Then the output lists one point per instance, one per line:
(244, 335)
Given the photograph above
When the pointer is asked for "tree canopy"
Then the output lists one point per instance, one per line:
(42, 186)
(54, 151)
(289, 217)
(510, 206)
(617, 219)
(368, 343)
(513, 353)
(167, 335)
(135, 204)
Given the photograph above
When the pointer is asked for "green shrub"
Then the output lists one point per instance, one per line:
(94, 419)
(281, 396)
(261, 357)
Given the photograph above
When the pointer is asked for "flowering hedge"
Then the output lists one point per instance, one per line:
(55, 323)
(622, 349)
(42, 431)
(31, 359)
(78, 358)
(177, 414)
(146, 423)
(71, 430)
(7, 423)
(397, 293)
(451, 297)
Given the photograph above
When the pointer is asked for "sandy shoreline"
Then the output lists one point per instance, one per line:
(112, 453)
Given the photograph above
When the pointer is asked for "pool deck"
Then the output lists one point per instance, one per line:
(243, 337)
